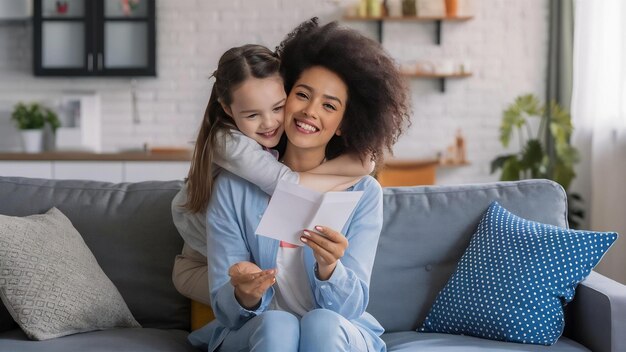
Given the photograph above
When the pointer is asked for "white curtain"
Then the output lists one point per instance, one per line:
(599, 117)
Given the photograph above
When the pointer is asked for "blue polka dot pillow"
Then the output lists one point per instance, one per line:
(512, 281)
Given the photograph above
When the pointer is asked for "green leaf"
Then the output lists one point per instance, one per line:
(560, 116)
(33, 116)
(498, 162)
(515, 115)
(567, 154)
(533, 160)
(510, 119)
(52, 119)
(532, 155)
(529, 104)
(575, 210)
(561, 126)
(563, 174)
(511, 170)
(576, 196)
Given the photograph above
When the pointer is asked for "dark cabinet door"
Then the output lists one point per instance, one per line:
(62, 36)
(95, 38)
(126, 39)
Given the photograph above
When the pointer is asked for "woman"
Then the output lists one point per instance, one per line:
(345, 96)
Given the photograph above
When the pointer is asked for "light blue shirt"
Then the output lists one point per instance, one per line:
(233, 215)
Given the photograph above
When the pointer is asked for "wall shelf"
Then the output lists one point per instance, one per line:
(452, 165)
(441, 77)
(438, 22)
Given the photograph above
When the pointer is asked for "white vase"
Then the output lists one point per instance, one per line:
(32, 140)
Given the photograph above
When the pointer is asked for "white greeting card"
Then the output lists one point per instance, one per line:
(294, 208)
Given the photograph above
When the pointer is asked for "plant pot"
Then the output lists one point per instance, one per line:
(32, 140)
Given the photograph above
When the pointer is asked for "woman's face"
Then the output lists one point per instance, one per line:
(257, 109)
(314, 108)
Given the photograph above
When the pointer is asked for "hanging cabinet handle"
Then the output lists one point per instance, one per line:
(90, 62)
(99, 61)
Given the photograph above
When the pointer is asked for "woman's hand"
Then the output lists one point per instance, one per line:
(250, 283)
(327, 248)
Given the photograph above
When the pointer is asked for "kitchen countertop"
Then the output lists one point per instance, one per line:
(89, 156)
(177, 155)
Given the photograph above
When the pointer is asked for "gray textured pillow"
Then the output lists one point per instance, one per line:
(50, 281)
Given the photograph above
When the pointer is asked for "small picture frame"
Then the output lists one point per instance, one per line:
(79, 114)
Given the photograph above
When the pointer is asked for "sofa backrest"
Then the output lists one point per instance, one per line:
(129, 229)
(426, 231)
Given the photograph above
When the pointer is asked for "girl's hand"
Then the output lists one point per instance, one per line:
(327, 248)
(250, 283)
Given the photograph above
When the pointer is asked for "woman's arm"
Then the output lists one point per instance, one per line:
(346, 291)
(226, 246)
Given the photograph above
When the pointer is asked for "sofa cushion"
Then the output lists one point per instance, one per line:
(50, 281)
(428, 228)
(129, 229)
(513, 279)
(411, 341)
(114, 340)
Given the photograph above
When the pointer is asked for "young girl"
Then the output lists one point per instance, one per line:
(345, 96)
(243, 120)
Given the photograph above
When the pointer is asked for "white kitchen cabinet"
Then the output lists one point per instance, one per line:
(135, 171)
(108, 171)
(35, 169)
(115, 169)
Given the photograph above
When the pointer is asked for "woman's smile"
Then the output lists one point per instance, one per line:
(306, 127)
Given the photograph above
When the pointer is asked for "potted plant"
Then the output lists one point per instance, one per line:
(30, 120)
(533, 159)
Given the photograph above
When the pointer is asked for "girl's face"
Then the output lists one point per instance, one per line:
(257, 109)
(315, 108)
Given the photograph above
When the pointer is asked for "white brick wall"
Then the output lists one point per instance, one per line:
(506, 44)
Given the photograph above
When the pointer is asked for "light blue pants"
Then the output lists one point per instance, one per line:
(318, 330)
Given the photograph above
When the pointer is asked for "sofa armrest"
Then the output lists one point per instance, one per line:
(596, 318)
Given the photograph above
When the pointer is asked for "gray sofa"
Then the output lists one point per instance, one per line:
(128, 227)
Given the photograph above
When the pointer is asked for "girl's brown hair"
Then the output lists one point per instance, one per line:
(377, 110)
(235, 66)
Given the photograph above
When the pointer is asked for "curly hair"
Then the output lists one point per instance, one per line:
(377, 110)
